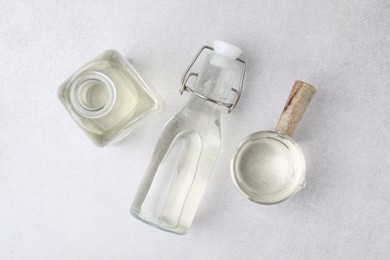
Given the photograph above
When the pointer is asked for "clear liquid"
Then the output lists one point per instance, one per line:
(181, 164)
(269, 167)
(103, 116)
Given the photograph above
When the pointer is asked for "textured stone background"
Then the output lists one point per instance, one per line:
(63, 198)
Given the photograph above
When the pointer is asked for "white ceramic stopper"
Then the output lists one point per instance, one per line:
(226, 49)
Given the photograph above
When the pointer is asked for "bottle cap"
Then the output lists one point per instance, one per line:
(226, 49)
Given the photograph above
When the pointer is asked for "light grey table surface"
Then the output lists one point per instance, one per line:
(63, 198)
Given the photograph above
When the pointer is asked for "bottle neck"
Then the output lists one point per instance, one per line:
(216, 77)
(92, 94)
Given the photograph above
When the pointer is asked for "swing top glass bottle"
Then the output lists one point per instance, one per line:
(176, 177)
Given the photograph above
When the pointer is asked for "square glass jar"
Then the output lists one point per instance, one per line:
(107, 98)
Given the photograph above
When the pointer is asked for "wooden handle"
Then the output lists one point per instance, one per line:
(299, 99)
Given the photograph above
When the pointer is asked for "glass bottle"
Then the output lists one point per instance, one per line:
(175, 180)
(107, 98)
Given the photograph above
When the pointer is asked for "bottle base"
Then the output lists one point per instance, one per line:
(157, 223)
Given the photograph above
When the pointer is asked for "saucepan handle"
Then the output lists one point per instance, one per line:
(299, 99)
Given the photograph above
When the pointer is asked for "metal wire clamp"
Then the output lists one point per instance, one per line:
(187, 74)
